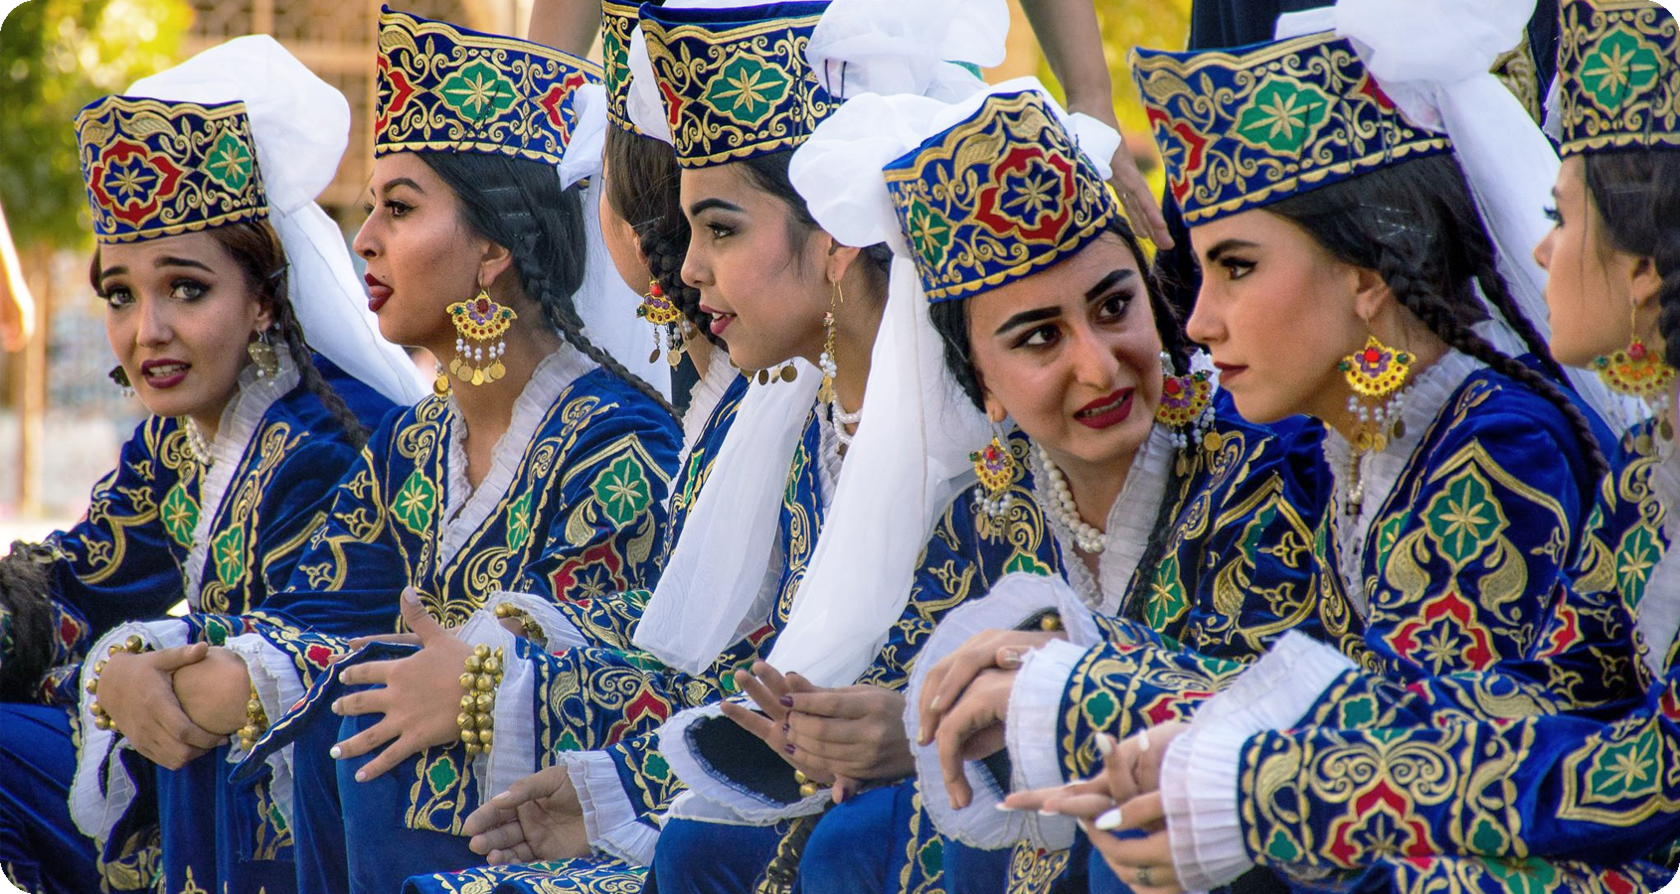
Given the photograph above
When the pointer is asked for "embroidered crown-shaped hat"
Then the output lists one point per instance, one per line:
(996, 197)
(155, 168)
(449, 89)
(1244, 128)
(735, 83)
(1618, 75)
(618, 20)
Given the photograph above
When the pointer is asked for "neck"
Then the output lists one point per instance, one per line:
(856, 323)
(489, 407)
(1095, 486)
(209, 419)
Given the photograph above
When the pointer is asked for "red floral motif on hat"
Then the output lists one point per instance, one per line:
(394, 90)
(553, 102)
(1031, 195)
(132, 182)
(1191, 145)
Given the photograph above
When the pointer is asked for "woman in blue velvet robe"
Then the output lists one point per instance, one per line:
(215, 494)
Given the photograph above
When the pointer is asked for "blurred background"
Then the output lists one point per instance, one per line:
(61, 418)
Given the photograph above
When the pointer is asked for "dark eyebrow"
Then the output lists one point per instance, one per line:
(109, 272)
(1114, 278)
(1036, 315)
(393, 184)
(167, 261)
(1227, 246)
(703, 205)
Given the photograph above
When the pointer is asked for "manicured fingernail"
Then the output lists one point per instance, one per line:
(410, 596)
(785, 729)
(361, 775)
(1010, 659)
(336, 752)
(1003, 808)
(788, 748)
(786, 700)
(1045, 811)
(1110, 820)
(335, 706)
(502, 798)
(934, 705)
(1105, 744)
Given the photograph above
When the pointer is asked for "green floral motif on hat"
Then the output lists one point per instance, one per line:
(1621, 63)
(1283, 116)
(478, 91)
(230, 163)
(930, 233)
(748, 90)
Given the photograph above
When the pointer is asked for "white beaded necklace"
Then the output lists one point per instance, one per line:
(1085, 535)
(840, 419)
(198, 445)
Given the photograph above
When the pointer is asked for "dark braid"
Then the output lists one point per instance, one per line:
(1636, 194)
(1416, 224)
(23, 595)
(642, 187)
(256, 248)
(950, 320)
(519, 205)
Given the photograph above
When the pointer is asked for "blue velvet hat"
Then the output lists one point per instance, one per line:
(1618, 75)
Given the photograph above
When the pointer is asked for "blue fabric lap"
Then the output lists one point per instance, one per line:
(712, 858)
(860, 844)
(40, 847)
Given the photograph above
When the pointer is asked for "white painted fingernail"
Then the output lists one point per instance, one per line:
(1003, 808)
(336, 752)
(1045, 811)
(1110, 820)
(1105, 744)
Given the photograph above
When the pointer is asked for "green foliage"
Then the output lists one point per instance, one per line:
(55, 57)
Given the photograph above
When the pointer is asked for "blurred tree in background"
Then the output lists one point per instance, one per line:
(55, 57)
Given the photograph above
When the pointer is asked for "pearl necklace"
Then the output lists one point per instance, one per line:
(840, 419)
(198, 445)
(1085, 535)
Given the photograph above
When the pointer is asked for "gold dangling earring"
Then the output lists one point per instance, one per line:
(481, 320)
(261, 352)
(830, 370)
(666, 319)
(1187, 408)
(1377, 374)
(440, 385)
(1638, 371)
(996, 469)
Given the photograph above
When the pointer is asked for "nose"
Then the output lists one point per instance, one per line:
(695, 271)
(1543, 249)
(366, 243)
(1093, 359)
(154, 328)
(1205, 325)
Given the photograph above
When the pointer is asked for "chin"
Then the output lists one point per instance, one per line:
(1255, 408)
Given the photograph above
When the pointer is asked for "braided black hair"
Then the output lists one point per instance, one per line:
(261, 257)
(23, 595)
(1416, 224)
(950, 320)
(1636, 193)
(642, 187)
(519, 205)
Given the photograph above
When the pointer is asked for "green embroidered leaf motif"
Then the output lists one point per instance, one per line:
(1463, 519)
(1625, 770)
(930, 233)
(216, 630)
(1167, 599)
(568, 742)
(623, 491)
(1357, 712)
(441, 775)
(1636, 556)
(656, 768)
(477, 91)
(1282, 847)
(1099, 708)
(415, 504)
(229, 163)
(180, 515)
(519, 522)
(1388, 534)
(1621, 63)
(747, 89)
(1486, 838)
(228, 552)
(932, 857)
(1530, 876)
(1283, 117)
(1026, 562)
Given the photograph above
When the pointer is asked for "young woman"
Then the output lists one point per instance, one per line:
(202, 202)
(1565, 802)
(752, 241)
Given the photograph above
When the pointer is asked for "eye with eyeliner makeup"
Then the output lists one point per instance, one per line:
(116, 297)
(1553, 215)
(187, 290)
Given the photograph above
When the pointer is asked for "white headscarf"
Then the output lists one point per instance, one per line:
(301, 125)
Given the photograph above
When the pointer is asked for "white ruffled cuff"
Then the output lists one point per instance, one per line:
(513, 755)
(1277, 690)
(102, 790)
(279, 686)
(1035, 710)
(709, 784)
(1199, 795)
(608, 816)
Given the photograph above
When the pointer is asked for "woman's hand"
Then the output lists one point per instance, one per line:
(946, 681)
(138, 694)
(850, 734)
(419, 695)
(972, 729)
(1143, 862)
(215, 692)
(538, 818)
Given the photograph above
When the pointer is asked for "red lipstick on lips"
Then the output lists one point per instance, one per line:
(720, 320)
(1228, 371)
(378, 292)
(1106, 412)
(164, 373)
